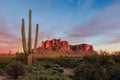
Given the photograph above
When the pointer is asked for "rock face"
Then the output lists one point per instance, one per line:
(55, 44)
(58, 45)
(82, 48)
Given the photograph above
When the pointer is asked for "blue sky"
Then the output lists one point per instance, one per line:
(96, 22)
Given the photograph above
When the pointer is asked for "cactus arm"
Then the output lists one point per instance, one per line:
(36, 37)
(29, 33)
(23, 37)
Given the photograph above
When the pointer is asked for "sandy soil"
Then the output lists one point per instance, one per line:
(68, 71)
(2, 78)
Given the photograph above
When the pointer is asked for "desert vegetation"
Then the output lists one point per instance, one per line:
(30, 65)
(101, 66)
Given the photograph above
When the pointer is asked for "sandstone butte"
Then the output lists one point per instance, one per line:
(64, 46)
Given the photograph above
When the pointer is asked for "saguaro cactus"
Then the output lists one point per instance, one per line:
(28, 50)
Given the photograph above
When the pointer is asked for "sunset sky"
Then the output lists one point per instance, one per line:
(96, 22)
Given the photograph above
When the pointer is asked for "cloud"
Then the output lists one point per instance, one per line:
(8, 40)
(115, 39)
(45, 35)
(104, 23)
(10, 43)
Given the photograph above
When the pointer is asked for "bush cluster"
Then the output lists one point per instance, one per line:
(15, 69)
(98, 67)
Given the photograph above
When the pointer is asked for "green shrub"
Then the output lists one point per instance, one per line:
(113, 72)
(91, 58)
(48, 65)
(46, 77)
(86, 71)
(2, 73)
(46, 71)
(21, 57)
(3, 62)
(69, 62)
(15, 69)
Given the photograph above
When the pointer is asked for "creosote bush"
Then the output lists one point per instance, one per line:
(15, 69)
(87, 71)
(21, 57)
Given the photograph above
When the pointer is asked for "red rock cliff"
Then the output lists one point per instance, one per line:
(55, 44)
(58, 45)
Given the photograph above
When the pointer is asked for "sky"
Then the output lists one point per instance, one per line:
(95, 22)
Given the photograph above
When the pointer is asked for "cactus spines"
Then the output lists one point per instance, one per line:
(29, 33)
(23, 37)
(36, 37)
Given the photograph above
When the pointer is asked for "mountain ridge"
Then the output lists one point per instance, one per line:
(58, 45)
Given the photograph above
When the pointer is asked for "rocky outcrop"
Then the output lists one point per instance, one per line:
(58, 45)
(82, 48)
(55, 44)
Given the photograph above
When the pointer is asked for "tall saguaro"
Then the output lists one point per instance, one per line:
(28, 50)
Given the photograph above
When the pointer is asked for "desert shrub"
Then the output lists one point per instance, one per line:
(54, 67)
(46, 71)
(113, 72)
(116, 58)
(46, 77)
(98, 67)
(86, 71)
(21, 57)
(94, 58)
(63, 61)
(15, 69)
(48, 65)
(2, 73)
(69, 62)
(105, 60)
(59, 70)
(3, 62)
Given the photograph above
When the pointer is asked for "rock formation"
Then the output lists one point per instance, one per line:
(82, 48)
(55, 44)
(58, 45)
